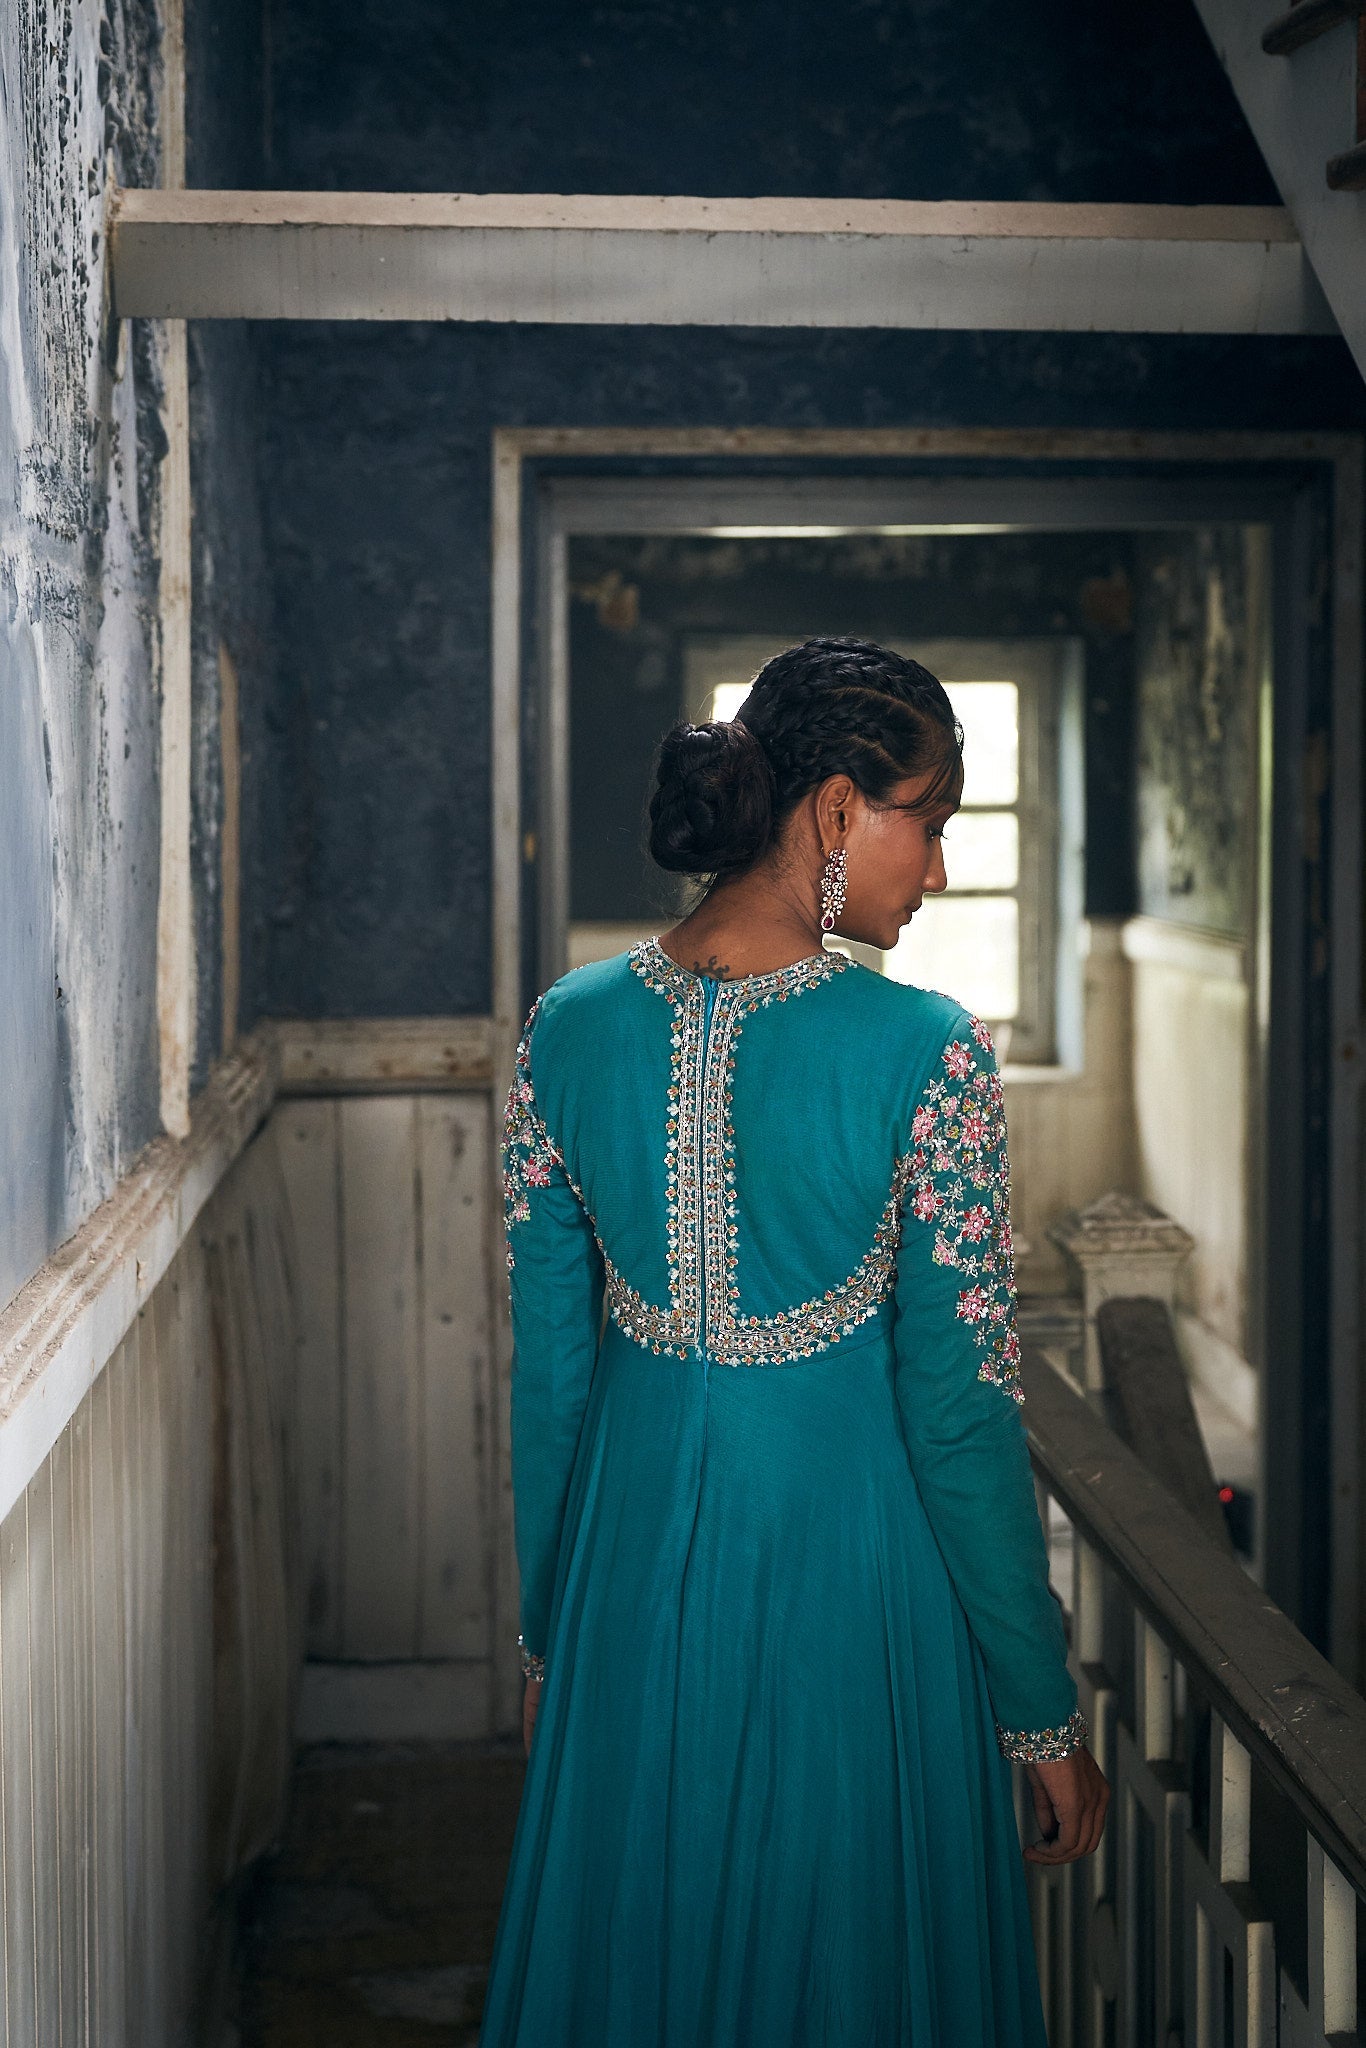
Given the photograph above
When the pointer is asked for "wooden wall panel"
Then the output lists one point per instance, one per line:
(16, 1781)
(453, 1241)
(307, 1134)
(109, 1745)
(394, 1217)
(382, 1366)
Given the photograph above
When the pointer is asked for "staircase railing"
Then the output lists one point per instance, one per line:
(1222, 1910)
(1303, 23)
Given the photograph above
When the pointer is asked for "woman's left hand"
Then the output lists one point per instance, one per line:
(1070, 1799)
(531, 1701)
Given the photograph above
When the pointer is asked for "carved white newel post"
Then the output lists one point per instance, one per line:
(1120, 1245)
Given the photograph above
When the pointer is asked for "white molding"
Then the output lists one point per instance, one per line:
(1214, 956)
(176, 965)
(378, 1055)
(60, 1331)
(605, 259)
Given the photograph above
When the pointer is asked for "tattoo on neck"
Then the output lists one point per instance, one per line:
(719, 970)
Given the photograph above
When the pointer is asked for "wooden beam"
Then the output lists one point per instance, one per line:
(590, 259)
(377, 1055)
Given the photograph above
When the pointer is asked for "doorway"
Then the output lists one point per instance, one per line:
(591, 532)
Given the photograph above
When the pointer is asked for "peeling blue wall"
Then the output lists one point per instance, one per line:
(367, 885)
(79, 439)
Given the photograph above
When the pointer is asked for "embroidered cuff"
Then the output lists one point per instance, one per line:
(1043, 1745)
(532, 1666)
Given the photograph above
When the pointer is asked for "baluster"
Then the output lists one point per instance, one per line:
(1332, 1946)
(1153, 1796)
(1153, 1692)
(1222, 1917)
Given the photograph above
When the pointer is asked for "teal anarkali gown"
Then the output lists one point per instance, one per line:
(776, 1528)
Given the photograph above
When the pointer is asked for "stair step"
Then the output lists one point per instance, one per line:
(1304, 22)
(1347, 173)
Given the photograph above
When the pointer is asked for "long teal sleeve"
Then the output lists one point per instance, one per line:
(557, 1278)
(958, 1390)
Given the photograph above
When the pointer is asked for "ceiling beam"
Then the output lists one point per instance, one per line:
(616, 261)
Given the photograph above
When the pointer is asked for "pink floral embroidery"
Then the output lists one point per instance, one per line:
(958, 1060)
(958, 1181)
(529, 1152)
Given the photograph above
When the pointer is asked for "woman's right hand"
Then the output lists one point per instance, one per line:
(531, 1701)
(1070, 1801)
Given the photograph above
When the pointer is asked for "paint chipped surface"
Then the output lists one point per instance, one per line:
(80, 449)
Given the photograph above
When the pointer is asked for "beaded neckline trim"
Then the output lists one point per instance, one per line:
(659, 968)
(700, 1182)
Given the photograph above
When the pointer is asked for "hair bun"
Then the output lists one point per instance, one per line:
(712, 808)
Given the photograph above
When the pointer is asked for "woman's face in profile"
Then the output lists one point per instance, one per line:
(896, 859)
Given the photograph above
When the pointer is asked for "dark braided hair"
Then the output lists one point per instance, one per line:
(828, 707)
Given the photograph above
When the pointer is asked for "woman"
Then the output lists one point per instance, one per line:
(784, 1593)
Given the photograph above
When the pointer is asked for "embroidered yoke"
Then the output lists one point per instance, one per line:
(753, 1173)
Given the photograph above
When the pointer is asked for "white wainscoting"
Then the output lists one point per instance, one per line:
(148, 1646)
(392, 1199)
(1191, 1065)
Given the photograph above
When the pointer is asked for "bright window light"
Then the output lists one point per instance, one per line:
(726, 700)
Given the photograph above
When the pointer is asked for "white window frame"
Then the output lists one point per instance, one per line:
(1039, 668)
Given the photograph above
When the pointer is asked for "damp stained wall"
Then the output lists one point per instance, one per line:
(366, 887)
(1200, 658)
(80, 445)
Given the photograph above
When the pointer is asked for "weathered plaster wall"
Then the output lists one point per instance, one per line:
(1202, 616)
(368, 879)
(79, 451)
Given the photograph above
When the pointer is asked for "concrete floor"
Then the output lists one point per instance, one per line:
(374, 1925)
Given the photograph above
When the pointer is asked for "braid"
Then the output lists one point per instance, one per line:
(827, 707)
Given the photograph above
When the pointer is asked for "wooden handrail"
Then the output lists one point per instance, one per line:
(1300, 1720)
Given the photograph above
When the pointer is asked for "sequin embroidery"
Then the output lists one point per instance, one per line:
(700, 1166)
(1043, 1745)
(528, 1153)
(959, 1185)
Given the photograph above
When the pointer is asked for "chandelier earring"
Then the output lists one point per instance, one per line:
(834, 886)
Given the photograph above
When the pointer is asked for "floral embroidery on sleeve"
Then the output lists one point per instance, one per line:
(529, 1151)
(959, 1184)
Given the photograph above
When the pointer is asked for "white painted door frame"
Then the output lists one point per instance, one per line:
(611, 503)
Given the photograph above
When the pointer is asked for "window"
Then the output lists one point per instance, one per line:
(991, 940)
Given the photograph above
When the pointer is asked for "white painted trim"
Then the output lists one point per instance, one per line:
(175, 900)
(615, 259)
(1156, 942)
(60, 1331)
(630, 213)
(410, 1701)
(375, 1055)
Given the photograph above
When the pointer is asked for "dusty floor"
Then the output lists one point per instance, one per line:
(374, 1925)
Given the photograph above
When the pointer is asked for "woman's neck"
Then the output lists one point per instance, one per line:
(751, 926)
